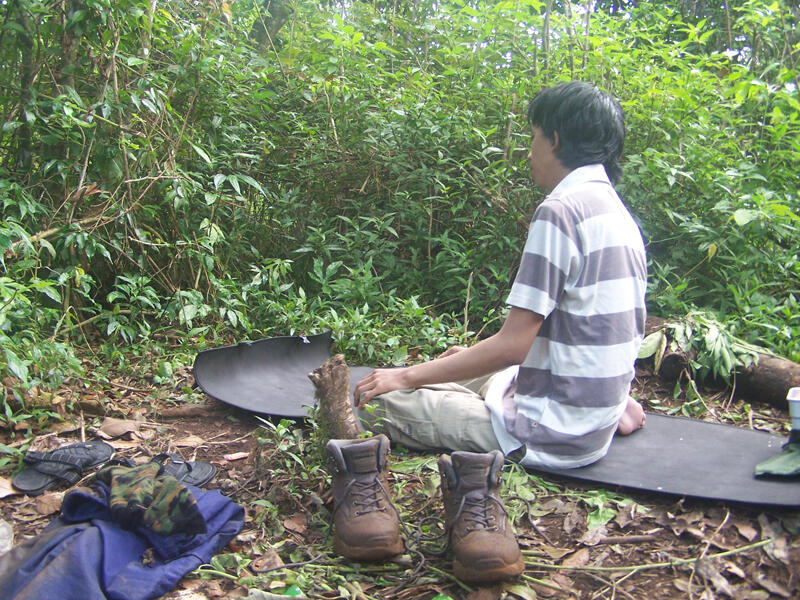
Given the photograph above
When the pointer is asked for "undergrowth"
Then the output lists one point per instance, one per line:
(181, 177)
(293, 481)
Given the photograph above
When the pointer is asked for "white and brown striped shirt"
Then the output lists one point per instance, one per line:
(584, 270)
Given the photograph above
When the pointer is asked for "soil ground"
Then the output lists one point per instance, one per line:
(650, 546)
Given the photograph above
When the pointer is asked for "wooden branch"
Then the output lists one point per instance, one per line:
(627, 539)
(48, 232)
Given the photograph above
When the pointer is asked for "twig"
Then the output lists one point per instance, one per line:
(458, 582)
(362, 569)
(707, 546)
(727, 405)
(25, 440)
(612, 585)
(541, 582)
(53, 230)
(77, 325)
(627, 539)
(507, 152)
(192, 410)
(287, 565)
(330, 114)
(644, 567)
(466, 303)
(127, 387)
(239, 439)
(357, 593)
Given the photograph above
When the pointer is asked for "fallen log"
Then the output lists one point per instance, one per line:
(767, 380)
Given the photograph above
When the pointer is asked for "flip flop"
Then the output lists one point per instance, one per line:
(196, 473)
(67, 464)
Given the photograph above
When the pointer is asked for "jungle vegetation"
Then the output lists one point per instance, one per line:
(204, 171)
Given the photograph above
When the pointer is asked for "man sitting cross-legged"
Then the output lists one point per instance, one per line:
(561, 366)
(550, 388)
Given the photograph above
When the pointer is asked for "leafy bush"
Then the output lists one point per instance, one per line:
(364, 171)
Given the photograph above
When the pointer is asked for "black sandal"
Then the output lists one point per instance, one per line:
(67, 464)
(196, 473)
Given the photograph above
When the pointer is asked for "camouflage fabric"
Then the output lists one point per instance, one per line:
(139, 496)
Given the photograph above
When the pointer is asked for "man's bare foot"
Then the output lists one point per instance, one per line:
(632, 419)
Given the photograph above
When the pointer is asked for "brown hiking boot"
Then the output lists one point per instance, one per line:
(484, 546)
(366, 523)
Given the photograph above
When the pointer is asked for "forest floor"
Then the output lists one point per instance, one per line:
(647, 546)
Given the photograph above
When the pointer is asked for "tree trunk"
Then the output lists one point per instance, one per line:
(26, 76)
(587, 17)
(265, 29)
(570, 37)
(336, 417)
(546, 37)
(767, 380)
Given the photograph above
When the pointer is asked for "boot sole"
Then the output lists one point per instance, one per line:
(477, 573)
(368, 553)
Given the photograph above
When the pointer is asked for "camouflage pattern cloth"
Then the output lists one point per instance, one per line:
(139, 496)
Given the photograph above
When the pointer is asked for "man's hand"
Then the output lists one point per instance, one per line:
(452, 350)
(380, 381)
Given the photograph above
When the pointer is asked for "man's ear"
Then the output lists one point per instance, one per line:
(556, 142)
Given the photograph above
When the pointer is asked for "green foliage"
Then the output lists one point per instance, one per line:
(363, 172)
(711, 348)
(706, 176)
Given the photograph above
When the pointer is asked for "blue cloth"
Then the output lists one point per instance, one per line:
(84, 555)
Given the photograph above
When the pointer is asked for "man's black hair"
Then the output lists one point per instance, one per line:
(589, 123)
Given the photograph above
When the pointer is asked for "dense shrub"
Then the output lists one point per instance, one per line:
(364, 171)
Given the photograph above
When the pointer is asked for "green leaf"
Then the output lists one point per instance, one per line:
(150, 106)
(293, 590)
(251, 182)
(51, 293)
(187, 313)
(651, 343)
(600, 516)
(201, 152)
(521, 591)
(16, 365)
(9, 450)
(743, 216)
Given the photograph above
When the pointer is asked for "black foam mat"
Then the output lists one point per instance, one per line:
(268, 376)
(671, 455)
(688, 457)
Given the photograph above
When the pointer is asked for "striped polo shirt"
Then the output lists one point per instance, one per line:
(584, 270)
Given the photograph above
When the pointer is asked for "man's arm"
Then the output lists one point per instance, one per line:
(507, 347)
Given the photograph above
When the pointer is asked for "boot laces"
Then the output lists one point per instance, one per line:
(366, 495)
(475, 513)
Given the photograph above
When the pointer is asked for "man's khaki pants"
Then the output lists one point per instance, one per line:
(448, 416)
